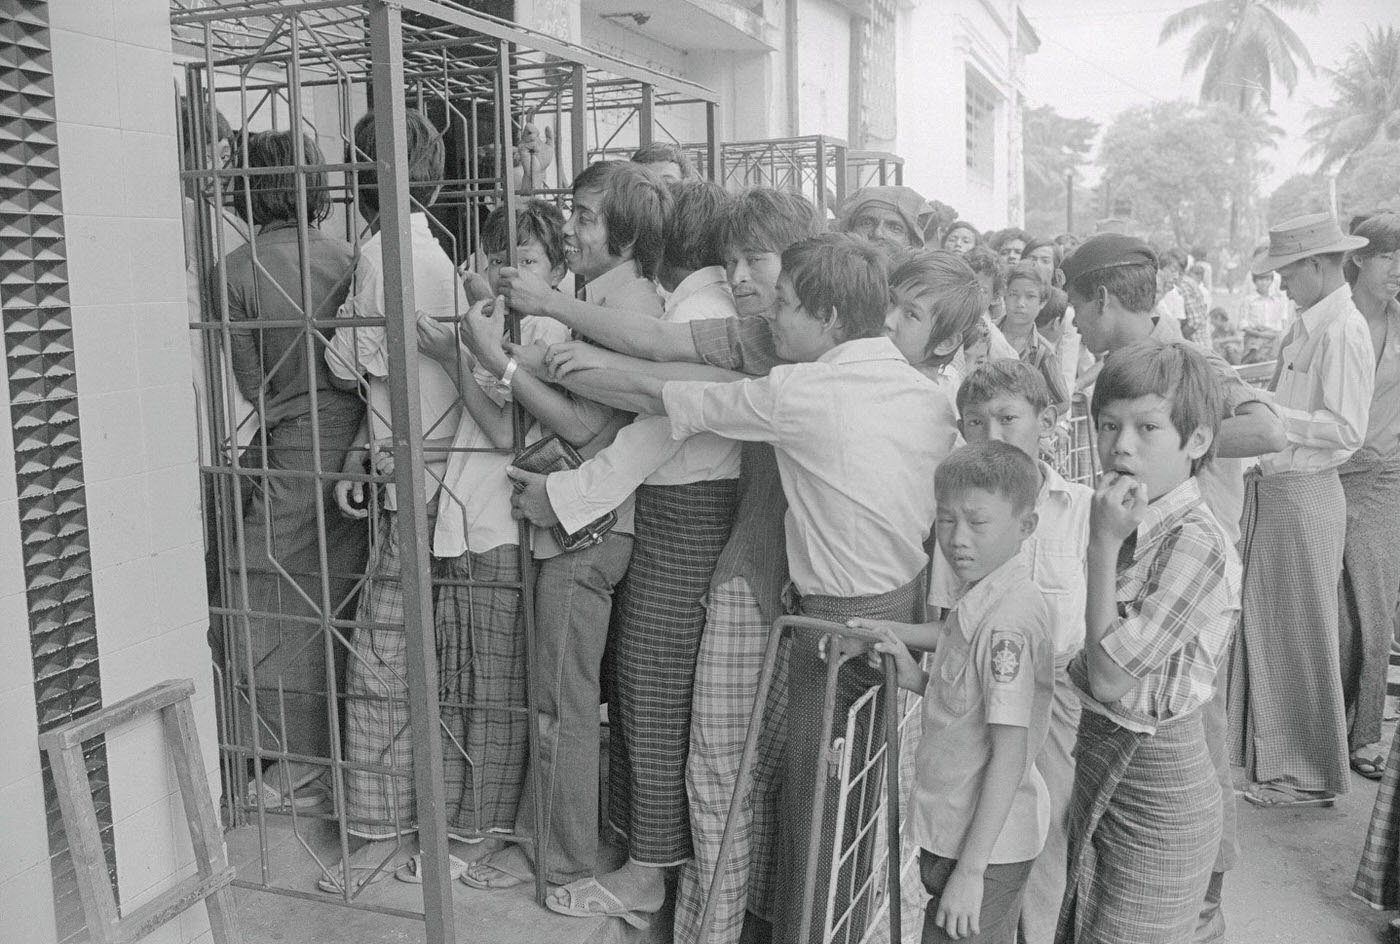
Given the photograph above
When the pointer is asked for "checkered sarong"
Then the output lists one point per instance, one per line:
(803, 761)
(658, 619)
(379, 793)
(1370, 581)
(726, 684)
(481, 689)
(1378, 875)
(1285, 712)
(1144, 831)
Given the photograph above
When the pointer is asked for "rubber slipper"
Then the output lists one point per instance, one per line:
(587, 899)
(330, 883)
(411, 871)
(305, 797)
(508, 878)
(1372, 768)
(1270, 797)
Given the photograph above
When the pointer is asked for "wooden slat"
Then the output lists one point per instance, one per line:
(170, 904)
(128, 709)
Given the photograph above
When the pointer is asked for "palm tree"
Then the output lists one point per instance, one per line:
(1244, 46)
(1365, 104)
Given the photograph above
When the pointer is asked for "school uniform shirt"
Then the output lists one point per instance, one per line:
(1383, 423)
(858, 434)
(1054, 554)
(474, 505)
(644, 450)
(355, 351)
(993, 665)
(1323, 385)
(1222, 480)
(1178, 593)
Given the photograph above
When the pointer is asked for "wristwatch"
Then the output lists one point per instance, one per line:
(509, 374)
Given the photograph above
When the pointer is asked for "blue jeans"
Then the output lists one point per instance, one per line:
(573, 602)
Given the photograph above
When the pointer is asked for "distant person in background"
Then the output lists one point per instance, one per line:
(1200, 257)
(991, 278)
(1067, 242)
(891, 217)
(1265, 306)
(1193, 310)
(961, 237)
(1009, 244)
(1046, 257)
(666, 160)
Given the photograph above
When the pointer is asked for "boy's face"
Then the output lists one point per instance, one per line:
(530, 256)
(1262, 283)
(1044, 259)
(1095, 325)
(1010, 419)
(666, 170)
(586, 237)
(960, 240)
(1136, 437)
(979, 530)
(882, 225)
(909, 322)
(797, 335)
(753, 277)
(1023, 301)
(1011, 250)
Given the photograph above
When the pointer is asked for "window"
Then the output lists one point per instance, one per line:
(981, 127)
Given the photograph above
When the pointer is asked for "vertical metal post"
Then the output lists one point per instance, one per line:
(646, 115)
(839, 159)
(1069, 200)
(820, 178)
(391, 166)
(578, 121)
(712, 142)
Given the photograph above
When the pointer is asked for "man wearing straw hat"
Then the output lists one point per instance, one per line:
(892, 217)
(1287, 724)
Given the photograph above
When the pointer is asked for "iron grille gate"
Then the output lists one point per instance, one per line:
(285, 633)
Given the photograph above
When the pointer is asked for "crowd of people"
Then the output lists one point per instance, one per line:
(754, 411)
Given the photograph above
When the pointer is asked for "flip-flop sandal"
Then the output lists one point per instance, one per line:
(330, 882)
(412, 870)
(1372, 768)
(509, 879)
(306, 797)
(588, 899)
(1280, 798)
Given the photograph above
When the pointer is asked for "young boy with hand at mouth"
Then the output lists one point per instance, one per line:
(979, 808)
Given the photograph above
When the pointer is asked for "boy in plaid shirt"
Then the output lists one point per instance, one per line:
(1163, 597)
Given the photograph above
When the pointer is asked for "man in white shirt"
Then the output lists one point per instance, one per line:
(1287, 724)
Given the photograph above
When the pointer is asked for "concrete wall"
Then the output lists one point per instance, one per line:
(823, 68)
(122, 214)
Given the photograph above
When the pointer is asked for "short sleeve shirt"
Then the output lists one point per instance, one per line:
(994, 664)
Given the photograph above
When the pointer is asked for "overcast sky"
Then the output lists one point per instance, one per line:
(1098, 57)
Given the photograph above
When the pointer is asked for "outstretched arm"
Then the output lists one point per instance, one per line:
(621, 381)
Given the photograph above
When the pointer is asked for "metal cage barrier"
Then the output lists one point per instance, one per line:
(287, 631)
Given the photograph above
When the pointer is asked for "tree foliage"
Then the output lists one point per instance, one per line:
(1371, 180)
(1053, 146)
(1242, 46)
(1365, 106)
(1179, 165)
(1299, 194)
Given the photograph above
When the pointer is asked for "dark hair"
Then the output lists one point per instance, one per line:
(983, 261)
(951, 285)
(661, 152)
(1175, 371)
(767, 220)
(1134, 285)
(692, 227)
(1038, 243)
(993, 466)
(1174, 255)
(1028, 271)
(961, 224)
(272, 198)
(635, 205)
(425, 158)
(190, 129)
(1008, 234)
(1005, 375)
(1056, 304)
(1383, 231)
(841, 273)
(537, 219)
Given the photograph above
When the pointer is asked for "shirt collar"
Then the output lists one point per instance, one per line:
(975, 600)
(624, 273)
(1322, 312)
(1163, 515)
(694, 283)
(862, 349)
(1051, 482)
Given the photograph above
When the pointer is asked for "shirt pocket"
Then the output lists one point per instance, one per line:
(954, 684)
(1056, 567)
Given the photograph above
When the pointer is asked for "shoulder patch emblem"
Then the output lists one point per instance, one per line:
(1006, 658)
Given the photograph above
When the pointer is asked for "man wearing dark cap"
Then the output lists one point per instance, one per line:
(1287, 722)
(1111, 279)
(893, 217)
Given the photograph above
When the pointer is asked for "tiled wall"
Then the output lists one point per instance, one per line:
(114, 88)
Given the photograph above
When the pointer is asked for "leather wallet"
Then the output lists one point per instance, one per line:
(553, 454)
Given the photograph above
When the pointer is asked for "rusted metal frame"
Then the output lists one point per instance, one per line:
(387, 83)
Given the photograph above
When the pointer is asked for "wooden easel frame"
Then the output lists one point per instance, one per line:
(209, 884)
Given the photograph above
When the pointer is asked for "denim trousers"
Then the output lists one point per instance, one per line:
(573, 603)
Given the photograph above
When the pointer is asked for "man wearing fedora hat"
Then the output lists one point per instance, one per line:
(1287, 723)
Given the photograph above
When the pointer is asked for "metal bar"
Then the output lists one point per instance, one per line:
(578, 121)
(814, 835)
(892, 794)
(391, 158)
(712, 143)
(646, 117)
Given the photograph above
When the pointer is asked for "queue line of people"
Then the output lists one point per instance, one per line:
(810, 407)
